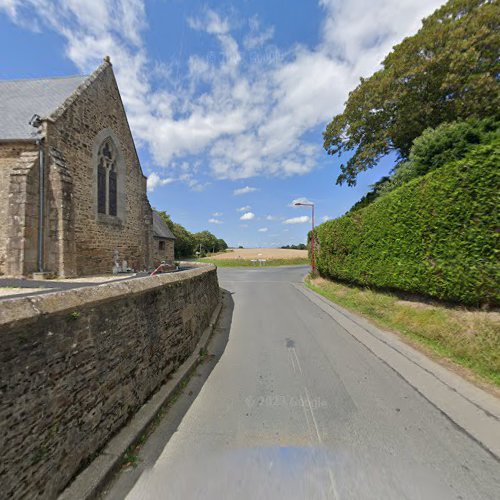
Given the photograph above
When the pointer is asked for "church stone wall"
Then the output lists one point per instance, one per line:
(75, 133)
(18, 207)
(166, 254)
(8, 157)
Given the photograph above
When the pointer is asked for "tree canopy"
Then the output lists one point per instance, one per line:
(434, 149)
(449, 70)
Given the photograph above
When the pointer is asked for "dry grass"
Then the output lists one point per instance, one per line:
(260, 253)
(470, 338)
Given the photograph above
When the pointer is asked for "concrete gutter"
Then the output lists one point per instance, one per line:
(474, 411)
(93, 479)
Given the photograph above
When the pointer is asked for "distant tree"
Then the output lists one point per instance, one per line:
(300, 246)
(187, 243)
(449, 70)
(206, 240)
(184, 243)
(221, 245)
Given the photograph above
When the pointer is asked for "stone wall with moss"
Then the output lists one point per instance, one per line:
(75, 365)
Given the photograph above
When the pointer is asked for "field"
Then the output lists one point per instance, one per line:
(242, 257)
(261, 253)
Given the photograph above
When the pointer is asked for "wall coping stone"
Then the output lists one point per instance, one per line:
(20, 310)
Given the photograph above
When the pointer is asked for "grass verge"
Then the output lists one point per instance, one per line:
(470, 338)
(248, 263)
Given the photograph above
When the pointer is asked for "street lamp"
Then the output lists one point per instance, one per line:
(297, 204)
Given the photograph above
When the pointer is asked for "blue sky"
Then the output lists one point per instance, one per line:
(227, 101)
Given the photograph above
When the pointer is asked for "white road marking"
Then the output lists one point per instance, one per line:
(290, 357)
(309, 428)
(297, 358)
(316, 427)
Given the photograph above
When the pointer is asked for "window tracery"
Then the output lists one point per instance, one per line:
(107, 192)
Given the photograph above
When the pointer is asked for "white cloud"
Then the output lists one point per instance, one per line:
(217, 214)
(247, 216)
(9, 6)
(263, 230)
(215, 221)
(246, 208)
(298, 220)
(299, 200)
(325, 218)
(244, 190)
(271, 217)
(212, 23)
(250, 115)
(154, 180)
(257, 37)
(193, 182)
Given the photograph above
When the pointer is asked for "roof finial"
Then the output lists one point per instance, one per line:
(107, 59)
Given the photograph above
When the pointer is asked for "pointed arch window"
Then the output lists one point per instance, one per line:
(107, 178)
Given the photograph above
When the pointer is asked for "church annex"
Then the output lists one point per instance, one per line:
(72, 193)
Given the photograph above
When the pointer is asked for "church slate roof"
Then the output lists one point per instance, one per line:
(160, 228)
(21, 99)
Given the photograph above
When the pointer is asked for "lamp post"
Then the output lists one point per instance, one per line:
(313, 267)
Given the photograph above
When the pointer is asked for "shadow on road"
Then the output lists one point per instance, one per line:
(145, 456)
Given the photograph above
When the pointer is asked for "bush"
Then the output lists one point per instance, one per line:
(436, 235)
(440, 145)
(433, 149)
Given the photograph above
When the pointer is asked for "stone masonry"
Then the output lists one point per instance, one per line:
(162, 254)
(76, 130)
(18, 208)
(77, 239)
(74, 367)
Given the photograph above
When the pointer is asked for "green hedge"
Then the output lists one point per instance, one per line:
(436, 235)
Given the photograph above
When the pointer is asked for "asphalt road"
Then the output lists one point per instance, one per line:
(297, 407)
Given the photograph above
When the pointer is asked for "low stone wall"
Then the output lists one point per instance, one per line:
(75, 365)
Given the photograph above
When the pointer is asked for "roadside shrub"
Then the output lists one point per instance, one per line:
(433, 149)
(436, 235)
(449, 141)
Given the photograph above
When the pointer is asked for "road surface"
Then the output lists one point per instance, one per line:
(298, 408)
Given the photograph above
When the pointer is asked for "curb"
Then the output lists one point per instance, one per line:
(92, 480)
(472, 410)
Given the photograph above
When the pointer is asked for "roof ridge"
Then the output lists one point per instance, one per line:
(78, 91)
(45, 78)
(47, 97)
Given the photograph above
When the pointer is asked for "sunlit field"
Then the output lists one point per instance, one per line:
(272, 256)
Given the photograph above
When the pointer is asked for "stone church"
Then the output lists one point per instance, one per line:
(72, 192)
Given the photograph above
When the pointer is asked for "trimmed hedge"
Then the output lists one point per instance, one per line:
(436, 235)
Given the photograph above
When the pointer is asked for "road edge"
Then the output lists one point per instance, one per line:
(474, 411)
(91, 481)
